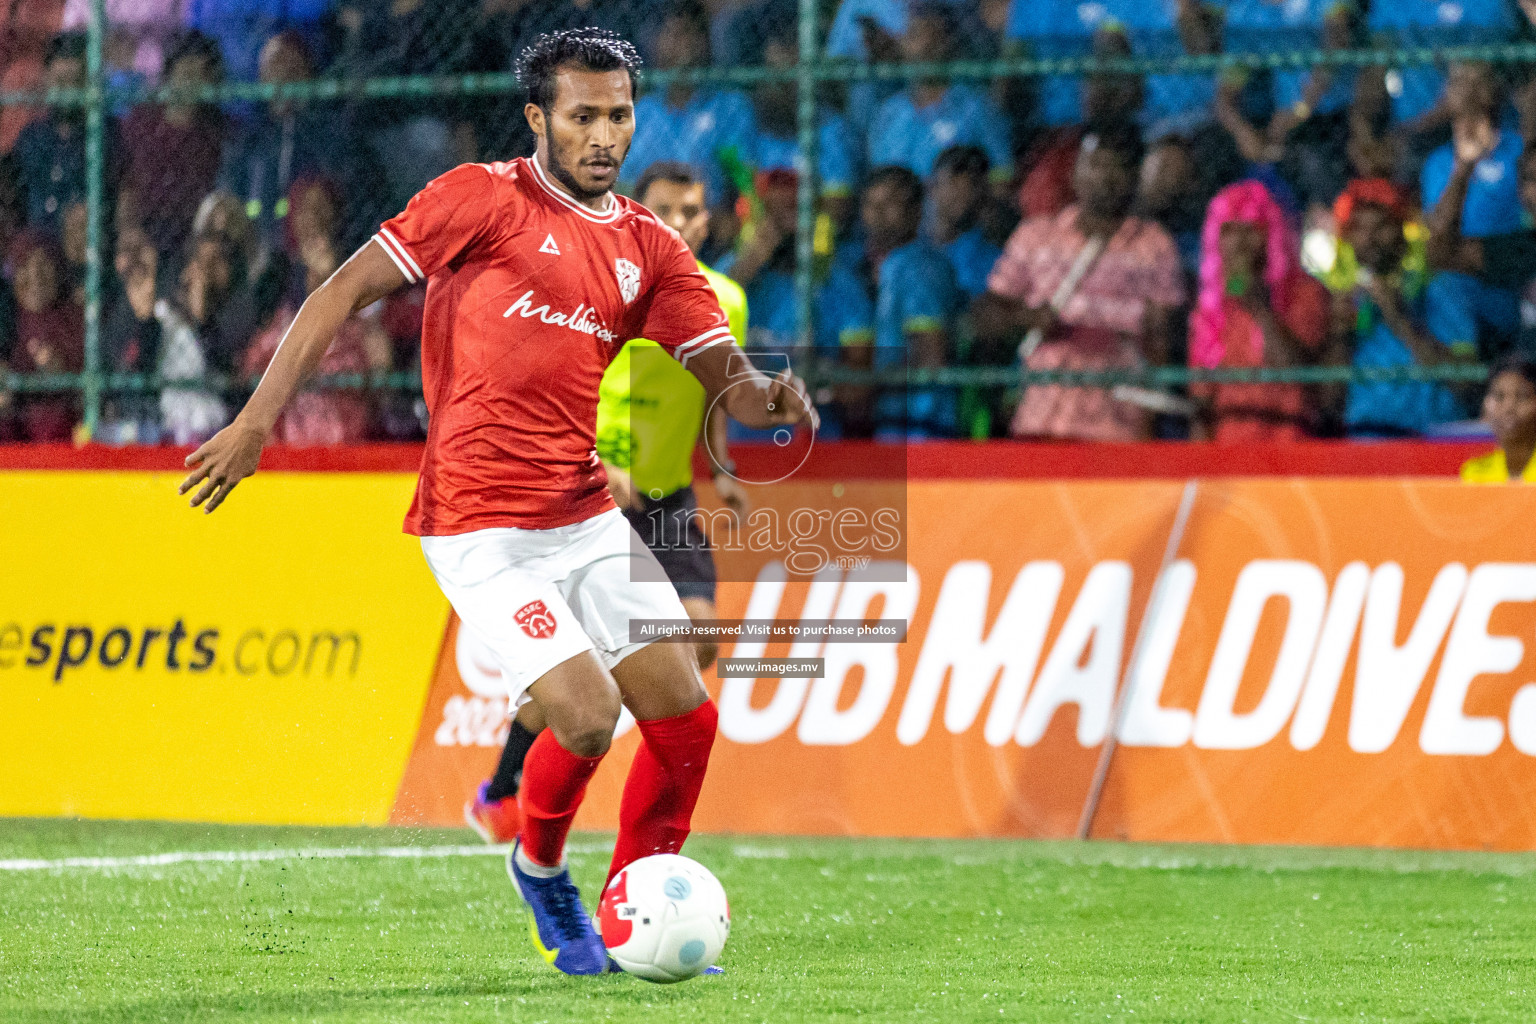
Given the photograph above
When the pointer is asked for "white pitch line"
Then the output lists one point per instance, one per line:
(153, 860)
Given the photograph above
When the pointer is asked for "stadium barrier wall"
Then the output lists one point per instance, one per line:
(1336, 660)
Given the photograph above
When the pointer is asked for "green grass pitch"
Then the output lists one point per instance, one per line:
(823, 930)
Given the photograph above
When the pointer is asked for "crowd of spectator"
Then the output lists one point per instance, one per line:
(1342, 215)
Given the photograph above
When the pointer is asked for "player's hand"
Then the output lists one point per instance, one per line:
(732, 495)
(223, 461)
(788, 404)
(622, 486)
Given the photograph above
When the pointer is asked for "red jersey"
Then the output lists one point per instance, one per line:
(529, 296)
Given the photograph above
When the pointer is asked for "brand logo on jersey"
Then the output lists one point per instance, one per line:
(549, 246)
(583, 319)
(629, 279)
(536, 620)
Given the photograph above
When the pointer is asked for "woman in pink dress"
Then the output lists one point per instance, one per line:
(1257, 307)
(1114, 311)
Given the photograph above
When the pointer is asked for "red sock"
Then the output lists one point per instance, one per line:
(554, 781)
(663, 785)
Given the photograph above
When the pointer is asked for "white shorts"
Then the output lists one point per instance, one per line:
(536, 598)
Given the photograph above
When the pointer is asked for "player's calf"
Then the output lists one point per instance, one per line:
(677, 721)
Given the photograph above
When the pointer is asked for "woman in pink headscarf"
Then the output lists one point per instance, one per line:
(1257, 307)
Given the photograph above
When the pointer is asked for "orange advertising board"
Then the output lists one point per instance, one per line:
(1309, 661)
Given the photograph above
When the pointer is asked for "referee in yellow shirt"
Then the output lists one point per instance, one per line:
(1509, 409)
(650, 416)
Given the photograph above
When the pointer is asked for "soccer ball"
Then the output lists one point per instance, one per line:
(664, 918)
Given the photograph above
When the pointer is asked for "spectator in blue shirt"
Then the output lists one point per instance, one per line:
(848, 37)
(916, 301)
(957, 194)
(777, 147)
(241, 27)
(1506, 260)
(1302, 126)
(686, 123)
(286, 140)
(1389, 318)
(764, 265)
(1415, 91)
(1168, 28)
(914, 126)
(1473, 97)
(50, 152)
(1485, 197)
(842, 314)
(1264, 26)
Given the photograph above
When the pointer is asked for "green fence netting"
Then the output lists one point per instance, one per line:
(293, 121)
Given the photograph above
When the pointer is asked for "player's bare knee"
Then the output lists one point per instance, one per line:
(587, 740)
(585, 731)
(584, 724)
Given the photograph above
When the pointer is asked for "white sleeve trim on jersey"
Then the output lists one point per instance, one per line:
(688, 350)
(701, 342)
(400, 255)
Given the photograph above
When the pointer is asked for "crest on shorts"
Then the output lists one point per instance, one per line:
(536, 619)
(629, 279)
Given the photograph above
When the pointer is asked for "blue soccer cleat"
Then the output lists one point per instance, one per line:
(562, 931)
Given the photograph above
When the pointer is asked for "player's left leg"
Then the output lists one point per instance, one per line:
(616, 582)
(661, 687)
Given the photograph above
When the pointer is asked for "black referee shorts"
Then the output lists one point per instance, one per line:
(670, 528)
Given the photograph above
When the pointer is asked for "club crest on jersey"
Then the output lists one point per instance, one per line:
(536, 620)
(629, 279)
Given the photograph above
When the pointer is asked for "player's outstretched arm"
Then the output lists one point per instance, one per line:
(232, 454)
(748, 395)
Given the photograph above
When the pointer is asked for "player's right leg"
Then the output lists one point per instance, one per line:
(545, 656)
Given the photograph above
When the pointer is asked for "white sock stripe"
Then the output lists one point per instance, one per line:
(394, 258)
(406, 253)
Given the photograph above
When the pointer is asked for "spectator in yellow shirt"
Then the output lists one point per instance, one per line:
(1510, 410)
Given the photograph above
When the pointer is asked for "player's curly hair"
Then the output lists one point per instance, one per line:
(590, 49)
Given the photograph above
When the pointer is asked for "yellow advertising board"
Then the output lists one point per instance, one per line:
(1279, 660)
(264, 664)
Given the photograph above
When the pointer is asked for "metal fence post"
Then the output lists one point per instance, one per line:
(805, 206)
(95, 128)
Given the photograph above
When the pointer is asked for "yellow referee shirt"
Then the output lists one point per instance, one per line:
(1492, 469)
(650, 410)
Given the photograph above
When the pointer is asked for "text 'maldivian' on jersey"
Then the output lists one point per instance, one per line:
(516, 334)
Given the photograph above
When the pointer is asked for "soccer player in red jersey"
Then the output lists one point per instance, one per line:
(536, 276)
